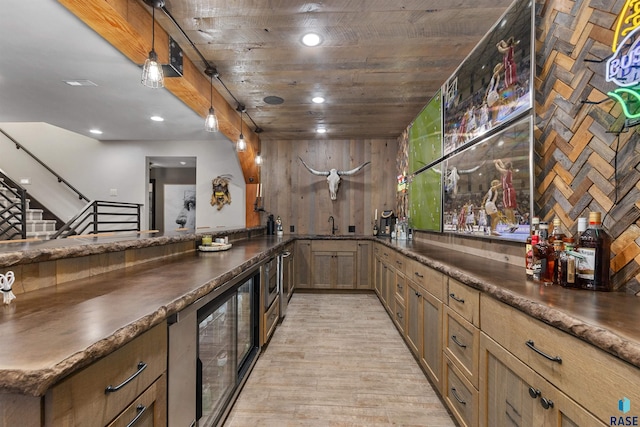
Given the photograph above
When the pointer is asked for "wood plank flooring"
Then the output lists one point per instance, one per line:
(337, 360)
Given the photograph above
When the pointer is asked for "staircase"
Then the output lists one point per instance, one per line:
(36, 227)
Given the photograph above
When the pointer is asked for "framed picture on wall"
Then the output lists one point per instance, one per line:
(487, 188)
(179, 207)
(492, 86)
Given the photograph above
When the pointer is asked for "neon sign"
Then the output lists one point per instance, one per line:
(623, 68)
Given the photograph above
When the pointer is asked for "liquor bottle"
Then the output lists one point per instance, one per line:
(375, 229)
(536, 265)
(595, 247)
(543, 255)
(528, 252)
(556, 233)
(558, 248)
(567, 264)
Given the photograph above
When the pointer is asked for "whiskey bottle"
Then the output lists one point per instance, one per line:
(528, 251)
(595, 247)
(543, 255)
(556, 233)
(567, 264)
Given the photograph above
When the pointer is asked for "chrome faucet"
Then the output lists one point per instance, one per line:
(333, 224)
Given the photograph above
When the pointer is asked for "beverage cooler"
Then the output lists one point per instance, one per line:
(212, 345)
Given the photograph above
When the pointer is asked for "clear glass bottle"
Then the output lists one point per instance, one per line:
(528, 251)
(556, 233)
(595, 247)
(567, 265)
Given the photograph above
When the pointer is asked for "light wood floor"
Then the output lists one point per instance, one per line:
(337, 360)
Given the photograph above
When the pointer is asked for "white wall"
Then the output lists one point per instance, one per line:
(95, 167)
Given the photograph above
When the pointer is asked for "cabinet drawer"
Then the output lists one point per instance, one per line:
(271, 318)
(465, 301)
(430, 279)
(400, 287)
(588, 375)
(149, 409)
(82, 399)
(461, 344)
(461, 397)
(334, 245)
(400, 262)
(399, 315)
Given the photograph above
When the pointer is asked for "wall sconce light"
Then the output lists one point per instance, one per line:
(259, 160)
(211, 122)
(241, 145)
(152, 74)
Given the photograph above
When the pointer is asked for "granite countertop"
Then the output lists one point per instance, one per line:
(51, 333)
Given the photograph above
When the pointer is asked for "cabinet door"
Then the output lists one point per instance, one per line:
(364, 279)
(384, 282)
(302, 266)
(512, 394)
(391, 288)
(431, 339)
(323, 270)
(345, 270)
(377, 280)
(414, 317)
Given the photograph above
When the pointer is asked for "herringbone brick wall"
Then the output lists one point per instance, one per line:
(584, 159)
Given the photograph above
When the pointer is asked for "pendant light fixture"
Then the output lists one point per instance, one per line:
(211, 122)
(259, 159)
(152, 74)
(241, 145)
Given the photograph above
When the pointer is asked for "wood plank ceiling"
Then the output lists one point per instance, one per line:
(379, 62)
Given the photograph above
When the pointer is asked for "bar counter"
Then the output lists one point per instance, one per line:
(50, 333)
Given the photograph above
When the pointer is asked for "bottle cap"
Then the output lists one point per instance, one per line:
(582, 224)
(535, 239)
(556, 223)
(595, 218)
(544, 225)
(535, 220)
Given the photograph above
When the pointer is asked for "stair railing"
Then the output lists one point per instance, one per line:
(34, 157)
(100, 216)
(13, 212)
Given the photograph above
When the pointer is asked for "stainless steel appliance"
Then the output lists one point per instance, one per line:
(284, 281)
(213, 344)
(270, 281)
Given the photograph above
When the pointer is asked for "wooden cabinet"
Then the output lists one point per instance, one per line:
(511, 393)
(148, 410)
(288, 261)
(333, 264)
(364, 265)
(461, 344)
(377, 276)
(302, 264)
(270, 319)
(461, 396)
(588, 375)
(97, 394)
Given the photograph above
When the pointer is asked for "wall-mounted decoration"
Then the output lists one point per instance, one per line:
(425, 135)
(220, 194)
(623, 67)
(179, 207)
(333, 176)
(493, 84)
(493, 197)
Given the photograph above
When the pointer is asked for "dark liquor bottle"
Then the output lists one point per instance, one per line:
(543, 255)
(567, 264)
(556, 233)
(595, 247)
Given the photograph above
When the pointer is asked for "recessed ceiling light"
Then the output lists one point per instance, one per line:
(317, 100)
(157, 119)
(321, 130)
(183, 163)
(96, 131)
(311, 39)
(77, 82)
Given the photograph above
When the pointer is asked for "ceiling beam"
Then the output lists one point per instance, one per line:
(127, 24)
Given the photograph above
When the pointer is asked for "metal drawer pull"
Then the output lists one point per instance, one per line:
(532, 346)
(399, 315)
(455, 394)
(140, 409)
(460, 300)
(455, 340)
(546, 403)
(141, 367)
(418, 294)
(419, 275)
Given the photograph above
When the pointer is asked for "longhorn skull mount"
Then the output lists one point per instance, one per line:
(333, 176)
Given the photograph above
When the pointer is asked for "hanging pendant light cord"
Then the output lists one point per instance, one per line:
(184, 34)
(153, 29)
